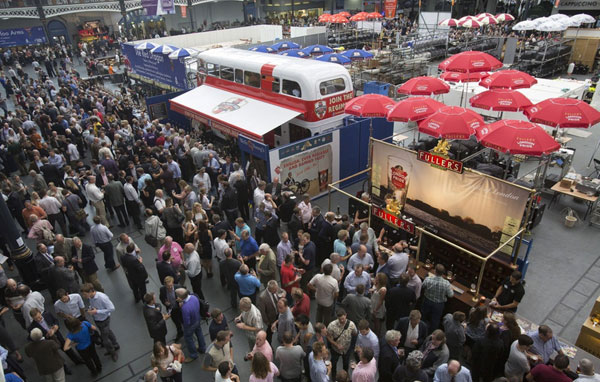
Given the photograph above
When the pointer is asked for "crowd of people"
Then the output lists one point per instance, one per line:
(78, 159)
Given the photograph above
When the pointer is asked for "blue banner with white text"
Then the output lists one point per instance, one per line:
(158, 67)
(22, 36)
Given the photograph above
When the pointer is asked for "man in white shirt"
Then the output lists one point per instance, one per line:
(259, 194)
(305, 209)
(586, 372)
(73, 152)
(96, 197)
(326, 291)
(32, 300)
(69, 305)
(338, 269)
(132, 202)
(53, 209)
(159, 202)
(193, 268)
(201, 180)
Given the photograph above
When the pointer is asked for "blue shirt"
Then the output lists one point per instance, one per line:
(339, 247)
(442, 375)
(82, 337)
(238, 232)
(248, 247)
(142, 181)
(174, 167)
(318, 369)
(352, 281)
(101, 234)
(544, 349)
(190, 310)
(247, 283)
(103, 305)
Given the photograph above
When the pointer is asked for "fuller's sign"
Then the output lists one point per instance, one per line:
(440, 162)
(394, 220)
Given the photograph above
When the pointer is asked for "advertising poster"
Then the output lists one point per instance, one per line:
(158, 67)
(310, 164)
(389, 6)
(476, 210)
(158, 7)
(22, 37)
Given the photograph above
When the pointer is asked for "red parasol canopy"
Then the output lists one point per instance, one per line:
(470, 23)
(343, 13)
(563, 112)
(463, 77)
(325, 17)
(470, 61)
(424, 86)
(374, 15)
(339, 20)
(448, 23)
(517, 137)
(500, 100)
(451, 122)
(369, 105)
(413, 109)
(358, 17)
(508, 79)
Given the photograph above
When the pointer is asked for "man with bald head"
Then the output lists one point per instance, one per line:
(361, 257)
(190, 310)
(62, 277)
(586, 372)
(63, 247)
(452, 371)
(193, 268)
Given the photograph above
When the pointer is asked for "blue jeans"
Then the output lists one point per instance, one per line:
(188, 335)
(432, 313)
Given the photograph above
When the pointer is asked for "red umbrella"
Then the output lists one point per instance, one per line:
(339, 20)
(517, 137)
(451, 122)
(424, 86)
(369, 105)
(563, 112)
(413, 109)
(471, 23)
(358, 17)
(463, 77)
(343, 13)
(500, 100)
(374, 15)
(470, 61)
(508, 79)
(325, 17)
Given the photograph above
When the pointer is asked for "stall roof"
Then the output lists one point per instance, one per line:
(232, 113)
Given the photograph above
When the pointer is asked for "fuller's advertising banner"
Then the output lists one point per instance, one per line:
(309, 165)
(158, 67)
(476, 210)
(21, 37)
(389, 7)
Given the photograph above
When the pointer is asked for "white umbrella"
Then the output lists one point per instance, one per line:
(526, 25)
(584, 18)
(551, 26)
(465, 18)
(558, 16)
(470, 23)
(485, 20)
(540, 20)
(163, 49)
(570, 22)
(502, 17)
(448, 23)
(145, 46)
(183, 52)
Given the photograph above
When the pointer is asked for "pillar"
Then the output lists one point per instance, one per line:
(124, 15)
(42, 15)
(19, 252)
(191, 14)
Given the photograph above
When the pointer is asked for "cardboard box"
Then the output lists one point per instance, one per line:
(566, 183)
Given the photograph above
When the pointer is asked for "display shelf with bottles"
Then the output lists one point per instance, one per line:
(463, 267)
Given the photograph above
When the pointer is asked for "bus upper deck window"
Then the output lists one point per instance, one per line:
(252, 79)
(227, 73)
(239, 76)
(291, 88)
(332, 86)
(212, 69)
(276, 84)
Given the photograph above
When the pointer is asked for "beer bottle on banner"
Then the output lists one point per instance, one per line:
(398, 178)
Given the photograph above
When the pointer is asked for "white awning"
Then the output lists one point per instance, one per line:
(232, 113)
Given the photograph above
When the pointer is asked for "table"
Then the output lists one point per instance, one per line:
(399, 139)
(572, 191)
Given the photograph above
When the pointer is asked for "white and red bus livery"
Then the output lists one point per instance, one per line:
(265, 89)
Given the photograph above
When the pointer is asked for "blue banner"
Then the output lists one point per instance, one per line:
(158, 67)
(257, 149)
(22, 36)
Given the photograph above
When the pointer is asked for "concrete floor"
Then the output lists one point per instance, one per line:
(562, 285)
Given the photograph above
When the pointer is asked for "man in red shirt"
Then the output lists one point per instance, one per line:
(548, 373)
(289, 278)
(301, 303)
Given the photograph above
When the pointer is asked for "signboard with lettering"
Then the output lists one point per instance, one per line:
(22, 37)
(389, 6)
(250, 146)
(328, 107)
(578, 5)
(394, 220)
(313, 161)
(157, 67)
(440, 162)
(468, 207)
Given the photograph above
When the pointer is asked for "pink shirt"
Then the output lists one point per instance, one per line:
(365, 372)
(274, 371)
(176, 254)
(265, 349)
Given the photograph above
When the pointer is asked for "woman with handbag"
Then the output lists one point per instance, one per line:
(80, 336)
(168, 359)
